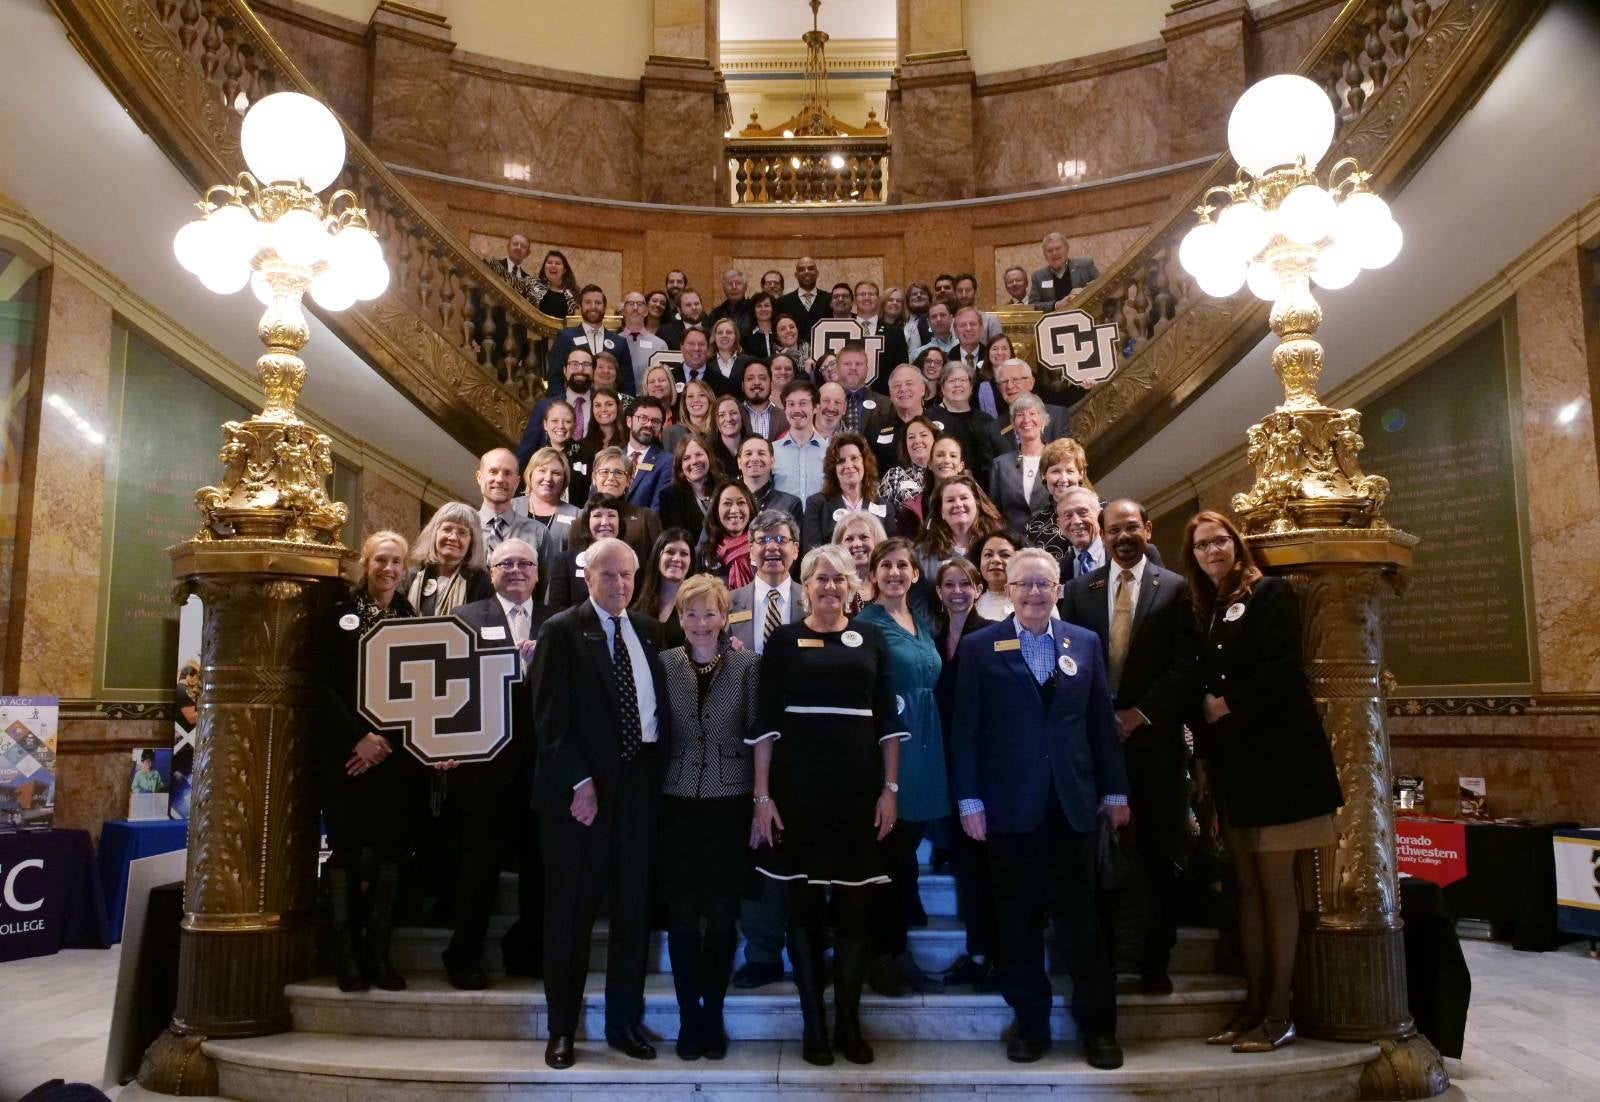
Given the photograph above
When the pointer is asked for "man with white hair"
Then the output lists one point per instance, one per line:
(1035, 766)
(1013, 379)
(1062, 278)
(600, 710)
(734, 304)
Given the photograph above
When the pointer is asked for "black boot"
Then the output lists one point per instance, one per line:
(849, 968)
(342, 899)
(805, 953)
(716, 966)
(684, 953)
(385, 887)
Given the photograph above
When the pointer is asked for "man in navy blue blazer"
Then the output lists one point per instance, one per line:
(591, 334)
(1036, 765)
(649, 462)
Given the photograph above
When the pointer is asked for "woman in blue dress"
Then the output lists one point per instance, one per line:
(924, 794)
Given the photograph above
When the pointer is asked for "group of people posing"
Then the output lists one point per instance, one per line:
(771, 647)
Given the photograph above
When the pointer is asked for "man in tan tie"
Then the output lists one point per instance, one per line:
(1142, 614)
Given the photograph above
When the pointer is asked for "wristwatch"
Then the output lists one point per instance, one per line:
(892, 787)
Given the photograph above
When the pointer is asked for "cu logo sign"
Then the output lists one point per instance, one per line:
(830, 334)
(13, 901)
(429, 679)
(1072, 345)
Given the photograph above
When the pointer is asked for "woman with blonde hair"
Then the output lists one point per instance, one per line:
(370, 796)
(449, 568)
(695, 412)
(858, 532)
(545, 481)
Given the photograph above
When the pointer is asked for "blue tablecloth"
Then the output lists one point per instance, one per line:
(123, 841)
(52, 899)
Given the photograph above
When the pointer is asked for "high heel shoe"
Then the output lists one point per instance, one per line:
(1272, 1034)
(1242, 1023)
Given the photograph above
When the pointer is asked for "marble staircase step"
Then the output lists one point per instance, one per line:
(514, 1009)
(322, 1067)
(938, 892)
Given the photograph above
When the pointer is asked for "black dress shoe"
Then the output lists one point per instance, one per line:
(1102, 1051)
(884, 977)
(1156, 983)
(631, 1041)
(713, 1037)
(966, 970)
(1025, 1050)
(467, 979)
(755, 974)
(558, 1051)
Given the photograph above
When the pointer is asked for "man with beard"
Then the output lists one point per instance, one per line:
(755, 471)
(647, 459)
(966, 289)
(772, 283)
(696, 367)
(691, 315)
(755, 383)
(577, 378)
(592, 335)
(805, 304)
(832, 406)
(1142, 614)
(734, 304)
(677, 279)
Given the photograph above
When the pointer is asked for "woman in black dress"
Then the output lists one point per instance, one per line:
(661, 575)
(1260, 744)
(555, 289)
(827, 763)
(704, 859)
(694, 476)
(371, 791)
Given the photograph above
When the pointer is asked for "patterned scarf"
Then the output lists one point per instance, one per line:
(734, 553)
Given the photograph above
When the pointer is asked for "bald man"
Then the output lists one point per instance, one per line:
(499, 481)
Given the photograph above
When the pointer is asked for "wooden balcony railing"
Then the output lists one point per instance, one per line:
(823, 171)
(456, 339)
(1400, 74)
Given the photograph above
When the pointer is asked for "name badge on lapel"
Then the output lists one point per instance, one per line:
(808, 643)
(1068, 666)
(1101, 584)
(492, 632)
(643, 466)
(739, 617)
(1001, 645)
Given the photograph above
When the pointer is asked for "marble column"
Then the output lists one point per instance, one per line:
(412, 92)
(930, 106)
(686, 100)
(1205, 73)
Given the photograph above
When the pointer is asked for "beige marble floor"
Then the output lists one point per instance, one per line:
(1530, 1035)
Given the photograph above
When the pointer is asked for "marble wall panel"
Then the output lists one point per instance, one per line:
(331, 52)
(1558, 434)
(1069, 130)
(932, 147)
(599, 266)
(1283, 33)
(387, 506)
(684, 137)
(513, 126)
(413, 119)
(1205, 76)
(1523, 780)
(56, 652)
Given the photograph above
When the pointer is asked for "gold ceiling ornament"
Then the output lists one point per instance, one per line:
(815, 118)
(271, 229)
(1280, 230)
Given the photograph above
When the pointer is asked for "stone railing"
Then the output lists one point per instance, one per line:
(808, 171)
(453, 336)
(1400, 73)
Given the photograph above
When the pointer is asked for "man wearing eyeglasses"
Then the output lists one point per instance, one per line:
(491, 798)
(1036, 765)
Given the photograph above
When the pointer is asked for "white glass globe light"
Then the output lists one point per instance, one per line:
(1201, 249)
(1222, 278)
(193, 244)
(1245, 227)
(1382, 246)
(261, 288)
(290, 137)
(1337, 267)
(234, 235)
(299, 237)
(1306, 214)
(333, 290)
(1278, 120)
(224, 276)
(1263, 282)
(1360, 216)
(357, 253)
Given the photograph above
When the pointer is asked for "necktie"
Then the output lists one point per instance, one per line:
(497, 532)
(627, 692)
(1121, 629)
(972, 362)
(519, 624)
(577, 416)
(1085, 562)
(774, 616)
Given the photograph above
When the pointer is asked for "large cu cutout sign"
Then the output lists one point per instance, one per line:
(1072, 345)
(830, 335)
(429, 679)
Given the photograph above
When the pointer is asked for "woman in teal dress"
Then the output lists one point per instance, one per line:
(924, 795)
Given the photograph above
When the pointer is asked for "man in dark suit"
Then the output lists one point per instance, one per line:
(734, 304)
(755, 471)
(492, 798)
(696, 349)
(885, 427)
(591, 334)
(1035, 765)
(600, 707)
(691, 315)
(647, 459)
(1061, 279)
(1142, 614)
(805, 304)
(894, 351)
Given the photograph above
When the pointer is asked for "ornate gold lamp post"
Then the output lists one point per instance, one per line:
(264, 560)
(1315, 517)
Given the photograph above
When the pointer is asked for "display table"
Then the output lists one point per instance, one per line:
(123, 841)
(1510, 883)
(52, 898)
